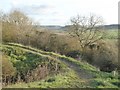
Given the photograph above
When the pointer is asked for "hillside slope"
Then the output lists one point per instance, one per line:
(68, 73)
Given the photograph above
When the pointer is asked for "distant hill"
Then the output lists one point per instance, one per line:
(50, 27)
(112, 26)
(106, 27)
(64, 28)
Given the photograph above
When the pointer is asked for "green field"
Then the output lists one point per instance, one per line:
(111, 34)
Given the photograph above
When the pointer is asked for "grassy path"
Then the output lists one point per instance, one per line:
(79, 71)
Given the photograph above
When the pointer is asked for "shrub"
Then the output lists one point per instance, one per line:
(73, 54)
(8, 71)
(106, 57)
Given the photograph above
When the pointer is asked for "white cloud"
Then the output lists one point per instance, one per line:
(58, 11)
(38, 9)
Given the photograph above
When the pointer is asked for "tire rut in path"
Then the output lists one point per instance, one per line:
(80, 72)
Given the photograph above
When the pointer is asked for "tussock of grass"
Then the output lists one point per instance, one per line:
(102, 83)
(69, 79)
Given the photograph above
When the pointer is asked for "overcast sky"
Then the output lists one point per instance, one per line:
(58, 12)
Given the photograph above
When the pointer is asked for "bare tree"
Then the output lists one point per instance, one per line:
(8, 30)
(87, 30)
(1, 15)
(22, 23)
